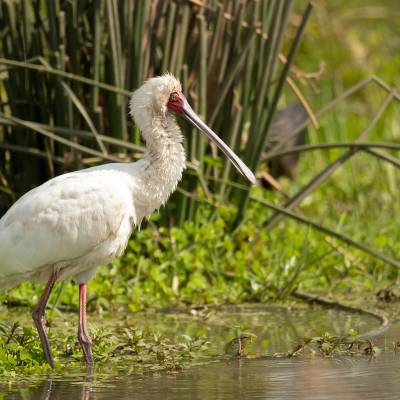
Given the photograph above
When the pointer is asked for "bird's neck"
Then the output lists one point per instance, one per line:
(163, 163)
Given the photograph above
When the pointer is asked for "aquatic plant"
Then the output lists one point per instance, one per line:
(143, 350)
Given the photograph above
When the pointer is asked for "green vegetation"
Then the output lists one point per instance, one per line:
(328, 346)
(196, 251)
(202, 263)
(226, 56)
(20, 350)
(171, 339)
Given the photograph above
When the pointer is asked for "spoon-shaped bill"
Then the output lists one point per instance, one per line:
(193, 118)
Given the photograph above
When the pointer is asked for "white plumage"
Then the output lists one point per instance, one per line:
(71, 223)
(74, 223)
(78, 221)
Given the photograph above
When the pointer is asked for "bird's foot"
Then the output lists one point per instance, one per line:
(39, 321)
(86, 345)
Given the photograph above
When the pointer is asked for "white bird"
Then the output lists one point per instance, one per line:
(75, 222)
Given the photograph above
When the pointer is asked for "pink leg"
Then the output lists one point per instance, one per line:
(83, 337)
(39, 319)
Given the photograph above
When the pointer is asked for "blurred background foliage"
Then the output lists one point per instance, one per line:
(231, 57)
(226, 55)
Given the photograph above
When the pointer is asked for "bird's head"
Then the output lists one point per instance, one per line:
(159, 98)
(151, 100)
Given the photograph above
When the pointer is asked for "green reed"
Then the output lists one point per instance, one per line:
(76, 63)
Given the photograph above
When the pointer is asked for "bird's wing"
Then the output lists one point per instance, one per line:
(63, 219)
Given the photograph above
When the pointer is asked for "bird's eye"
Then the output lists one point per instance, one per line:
(172, 97)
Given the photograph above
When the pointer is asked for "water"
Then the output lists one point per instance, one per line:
(263, 377)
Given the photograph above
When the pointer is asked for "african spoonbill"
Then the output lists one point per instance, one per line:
(75, 222)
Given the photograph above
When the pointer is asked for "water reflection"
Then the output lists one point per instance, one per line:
(50, 390)
(279, 379)
(78, 388)
(84, 386)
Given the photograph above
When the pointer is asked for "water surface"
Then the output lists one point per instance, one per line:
(264, 377)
